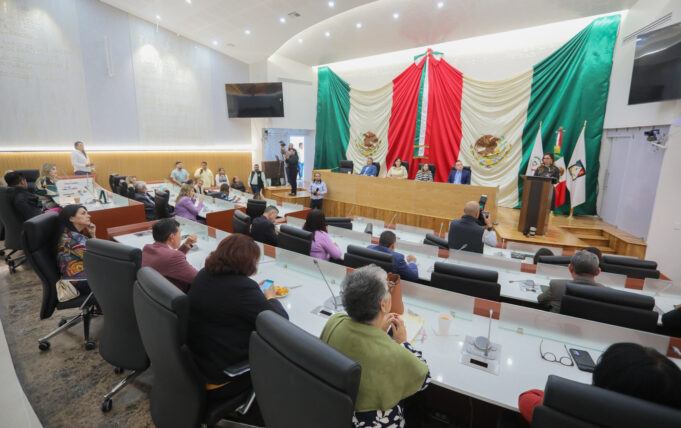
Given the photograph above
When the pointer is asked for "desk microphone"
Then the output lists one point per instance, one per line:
(457, 250)
(351, 209)
(440, 232)
(334, 168)
(333, 299)
(391, 221)
(483, 343)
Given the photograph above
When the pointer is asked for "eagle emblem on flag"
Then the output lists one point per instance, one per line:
(367, 143)
(489, 150)
(576, 170)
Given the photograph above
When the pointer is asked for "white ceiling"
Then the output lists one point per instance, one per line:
(420, 23)
(225, 21)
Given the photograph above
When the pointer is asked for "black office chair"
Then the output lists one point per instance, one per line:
(113, 182)
(432, 239)
(178, 392)
(357, 257)
(39, 240)
(554, 260)
(573, 404)
(342, 222)
(123, 189)
(161, 207)
(295, 239)
(255, 208)
(630, 266)
(117, 180)
(2, 238)
(346, 167)
(431, 168)
(609, 306)
(31, 175)
(12, 225)
(405, 164)
(378, 168)
(300, 380)
(119, 341)
(241, 223)
(466, 280)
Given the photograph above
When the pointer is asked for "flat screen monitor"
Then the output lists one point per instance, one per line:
(657, 66)
(255, 99)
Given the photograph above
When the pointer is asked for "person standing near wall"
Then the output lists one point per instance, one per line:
(292, 170)
(317, 191)
(80, 160)
(205, 174)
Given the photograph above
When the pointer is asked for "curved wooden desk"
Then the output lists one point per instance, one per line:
(417, 203)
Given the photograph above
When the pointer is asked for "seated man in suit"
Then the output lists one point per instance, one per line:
(459, 175)
(369, 168)
(142, 196)
(583, 268)
(262, 228)
(26, 204)
(167, 253)
(406, 269)
(467, 234)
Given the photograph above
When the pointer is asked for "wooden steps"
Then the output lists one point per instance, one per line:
(593, 237)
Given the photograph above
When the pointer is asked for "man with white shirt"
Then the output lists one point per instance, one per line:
(80, 160)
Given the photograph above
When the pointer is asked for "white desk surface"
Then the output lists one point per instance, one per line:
(518, 331)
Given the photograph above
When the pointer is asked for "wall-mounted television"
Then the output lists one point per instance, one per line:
(255, 99)
(657, 66)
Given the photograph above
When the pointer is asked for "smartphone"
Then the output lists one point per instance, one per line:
(583, 360)
(486, 214)
(267, 284)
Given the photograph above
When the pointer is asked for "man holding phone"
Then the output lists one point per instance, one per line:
(466, 234)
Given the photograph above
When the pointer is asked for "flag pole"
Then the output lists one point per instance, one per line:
(572, 210)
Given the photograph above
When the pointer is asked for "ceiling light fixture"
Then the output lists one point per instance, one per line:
(158, 17)
(300, 40)
(331, 4)
(358, 25)
(215, 42)
(247, 32)
(282, 20)
(327, 33)
(188, 1)
(440, 4)
(396, 15)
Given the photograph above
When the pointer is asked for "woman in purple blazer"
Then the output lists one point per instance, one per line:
(322, 245)
(184, 204)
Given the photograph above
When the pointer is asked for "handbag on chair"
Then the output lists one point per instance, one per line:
(66, 290)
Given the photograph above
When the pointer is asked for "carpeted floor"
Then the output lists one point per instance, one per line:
(66, 384)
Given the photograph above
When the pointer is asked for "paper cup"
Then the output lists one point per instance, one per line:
(444, 323)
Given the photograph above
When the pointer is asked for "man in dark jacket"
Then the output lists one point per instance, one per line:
(142, 196)
(292, 170)
(262, 228)
(25, 204)
(466, 234)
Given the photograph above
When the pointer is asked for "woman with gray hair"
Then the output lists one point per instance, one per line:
(392, 369)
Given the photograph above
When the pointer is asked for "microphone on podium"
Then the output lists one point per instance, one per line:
(334, 300)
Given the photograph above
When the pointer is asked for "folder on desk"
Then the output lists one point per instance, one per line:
(413, 323)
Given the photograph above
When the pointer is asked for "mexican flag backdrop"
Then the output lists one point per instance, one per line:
(434, 113)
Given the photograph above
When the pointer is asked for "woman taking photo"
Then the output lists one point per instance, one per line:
(398, 171)
(77, 229)
(424, 173)
(549, 170)
(322, 245)
(46, 186)
(392, 369)
(224, 303)
(184, 204)
(317, 191)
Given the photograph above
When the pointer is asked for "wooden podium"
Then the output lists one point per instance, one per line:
(536, 204)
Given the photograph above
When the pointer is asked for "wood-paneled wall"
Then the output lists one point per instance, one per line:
(145, 165)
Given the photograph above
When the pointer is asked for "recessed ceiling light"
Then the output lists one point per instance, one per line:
(396, 15)
(282, 20)
(300, 40)
(215, 42)
(327, 33)
(358, 25)
(188, 1)
(158, 17)
(247, 32)
(440, 4)
(331, 4)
